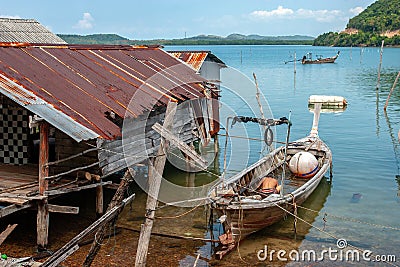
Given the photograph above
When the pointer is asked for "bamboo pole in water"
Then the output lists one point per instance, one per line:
(391, 91)
(380, 66)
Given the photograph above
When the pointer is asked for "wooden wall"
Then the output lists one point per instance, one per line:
(140, 141)
(65, 146)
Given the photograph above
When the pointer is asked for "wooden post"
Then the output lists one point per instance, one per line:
(155, 175)
(391, 91)
(99, 201)
(216, 145)
(43, 210)
(380, 66)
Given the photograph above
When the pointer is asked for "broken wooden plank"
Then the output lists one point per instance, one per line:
(13, 200)
(116, 200)
(63, 209)
(7, 232)
(200, 162)
(52, 261)
(13, 208)
(75, 189)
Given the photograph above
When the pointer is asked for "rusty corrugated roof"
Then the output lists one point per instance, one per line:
(196, 58)
(75, 86)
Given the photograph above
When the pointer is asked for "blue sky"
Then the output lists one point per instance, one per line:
(173, 18)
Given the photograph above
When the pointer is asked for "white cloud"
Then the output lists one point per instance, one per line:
(86, 22)
(357, 10)
(319, 15)
(281, 12)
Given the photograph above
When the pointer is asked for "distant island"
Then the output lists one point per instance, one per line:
(232, 39)
(380, 21)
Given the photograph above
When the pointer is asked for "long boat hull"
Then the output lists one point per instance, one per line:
(320, 60)
(244, 214)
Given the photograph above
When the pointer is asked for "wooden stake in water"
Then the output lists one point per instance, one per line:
(155, 176)
(391, 91)
(294, 61)
(380, 66)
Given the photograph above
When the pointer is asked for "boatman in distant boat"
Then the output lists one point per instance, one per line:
(270, 186)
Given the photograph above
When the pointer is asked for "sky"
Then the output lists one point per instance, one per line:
(179, 18)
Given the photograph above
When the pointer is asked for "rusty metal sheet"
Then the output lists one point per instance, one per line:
(193, 58)
(80, 84)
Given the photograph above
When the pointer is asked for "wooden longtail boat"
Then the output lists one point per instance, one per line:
(243, 209)
(307, 59)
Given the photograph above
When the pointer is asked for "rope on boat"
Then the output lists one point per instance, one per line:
(180, 215)
(316, 227)
(351, 219)
(240, 223)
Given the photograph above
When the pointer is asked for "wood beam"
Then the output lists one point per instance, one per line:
(155, 176)
(43, 211)
(63, 209)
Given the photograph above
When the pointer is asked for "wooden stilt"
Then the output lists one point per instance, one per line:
(155, 175)
(43, 210)
(99, 201)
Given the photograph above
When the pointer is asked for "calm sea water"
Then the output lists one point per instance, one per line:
(363, 139)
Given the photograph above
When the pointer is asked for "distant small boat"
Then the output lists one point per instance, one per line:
(307, 59)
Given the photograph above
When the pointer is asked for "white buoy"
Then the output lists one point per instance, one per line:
(303, 164)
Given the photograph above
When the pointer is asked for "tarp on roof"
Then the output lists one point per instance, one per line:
(73, 87)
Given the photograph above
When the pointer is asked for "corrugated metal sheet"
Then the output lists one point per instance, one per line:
(196, 58)
(26, 31)
(74, 87)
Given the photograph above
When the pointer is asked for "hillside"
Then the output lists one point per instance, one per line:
(232, 39)
(381, 16)
(380, 21)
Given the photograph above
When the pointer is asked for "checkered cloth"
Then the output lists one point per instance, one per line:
(13, 135)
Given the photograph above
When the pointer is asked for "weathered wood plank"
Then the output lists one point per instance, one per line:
(13, 208)
(74, 189)
(7, 232)
(155, 175)
(181, 145)
(13, 200)
(52, 261)
(63, 209)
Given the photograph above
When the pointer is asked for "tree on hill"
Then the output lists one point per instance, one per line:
(381, 16)
(371, 24)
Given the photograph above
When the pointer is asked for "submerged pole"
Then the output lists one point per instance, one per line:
(380, 66)
(391, 91)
